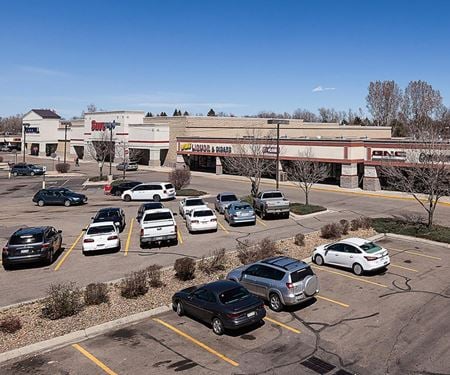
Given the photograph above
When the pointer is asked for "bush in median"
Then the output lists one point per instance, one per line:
(62, 167)
(154, 275)
(134, 285)
(180, 178)
(10, 324)
(331, 231)
(214, 264)
(63, 300)
(345, 226)
(249, 253)
(185, 268)
(96, 293)
(299, 239)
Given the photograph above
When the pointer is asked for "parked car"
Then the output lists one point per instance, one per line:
(281, 280)
(147, 206)
(34, 244)
(223, 200)
(240, 212)
(5, 148)
(119, 188)
(271, 203)
(24, 169)
(64, 197)
(155, 191)
(222, 304)
(158, 226)
(101, 236)
(201, 219)
(186, 205)
(358, 254)
(114, 214)
(128, 166)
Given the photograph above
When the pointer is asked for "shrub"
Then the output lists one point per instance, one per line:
(63, 300)
(331, 230)
(96, 293)
(249, 253)
(185, 268)
(365, 222)
(134, 285)
(10, 324)
(180, 178)
(345, 226)
(62, 167)
(154, 275)
(215, 263)
(299, 239)
(355, 224)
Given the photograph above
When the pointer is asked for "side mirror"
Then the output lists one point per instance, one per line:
(59, 231)
(175, 214)
(84, 230)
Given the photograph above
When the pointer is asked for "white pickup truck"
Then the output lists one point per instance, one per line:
(271, 203)
(157, 226)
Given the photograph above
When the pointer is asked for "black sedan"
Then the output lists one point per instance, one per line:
(223, 304)
(54, 196)
(116, 215)
(26, 245)
(118, 189)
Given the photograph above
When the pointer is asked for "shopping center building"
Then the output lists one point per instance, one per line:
(205, 143)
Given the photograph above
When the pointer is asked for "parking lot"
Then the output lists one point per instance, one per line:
(395, 322)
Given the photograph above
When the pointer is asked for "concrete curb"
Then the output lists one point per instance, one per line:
(78, 336)
(295, 216)
(415, 239)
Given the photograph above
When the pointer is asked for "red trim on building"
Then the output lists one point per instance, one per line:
(77, 139)
(87, 133)
(148, 141)
(121, 133)
(349, 143)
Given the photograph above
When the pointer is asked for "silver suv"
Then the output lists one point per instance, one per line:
(280, 280)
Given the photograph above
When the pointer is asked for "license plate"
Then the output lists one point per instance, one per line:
(250, 314)
(100, 244)
(158, 238)
(25, 251)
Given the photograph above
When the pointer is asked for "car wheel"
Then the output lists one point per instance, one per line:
(179, 308)
(15, 174)
(50, 257)
(117, 193)
(41, 203)
(175, 242)
(357, 269)
(31, 173)
(67, 203)
(217, 326)
(275, 302)
(156, 198)
(127, 198)
(318, 259)
(254, 223)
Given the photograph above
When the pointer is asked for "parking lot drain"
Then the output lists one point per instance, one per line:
(317, 365)
(342, 372)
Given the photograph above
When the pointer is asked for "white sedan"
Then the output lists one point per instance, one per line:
(101, 236)
(357, 254)
(201, 219)
(186, 205)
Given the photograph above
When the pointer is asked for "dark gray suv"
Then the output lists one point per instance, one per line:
(280, 280)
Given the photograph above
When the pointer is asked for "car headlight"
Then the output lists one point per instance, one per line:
(116, 223)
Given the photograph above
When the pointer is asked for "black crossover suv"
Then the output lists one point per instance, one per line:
(37, 244)
(23, 169)
(54, 196)
(223, 304)
(116, 215)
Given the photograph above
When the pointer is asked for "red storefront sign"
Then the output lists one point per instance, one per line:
(97, 126)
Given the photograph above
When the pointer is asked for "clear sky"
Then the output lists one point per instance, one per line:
(238, 56)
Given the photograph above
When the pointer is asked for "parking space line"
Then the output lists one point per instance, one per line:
(350, 277)
(127, 245)
(282, 325)
(261, 222)
(223, 228)
(195, 341)
(414, 253)
(69, 251)
(332, 301)
(180, 237)
(99, 363)
(404, 268)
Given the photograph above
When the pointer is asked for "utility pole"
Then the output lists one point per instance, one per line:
(110, 126)
(277, 167)
(125, 165)
(25, 128)
(65, 140)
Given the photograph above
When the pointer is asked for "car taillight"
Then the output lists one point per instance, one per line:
(112, 238)
(194, 221)
(142, 232)
(5, 250)
(45, 246)
(88, 240)
(213, 220)
(290, 285)
(234, 315)
(370, 258)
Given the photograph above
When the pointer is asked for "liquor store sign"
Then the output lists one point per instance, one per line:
(206, 148)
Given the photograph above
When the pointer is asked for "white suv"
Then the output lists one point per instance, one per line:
(155, 191)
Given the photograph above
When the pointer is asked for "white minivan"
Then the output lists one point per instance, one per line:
(155, 191)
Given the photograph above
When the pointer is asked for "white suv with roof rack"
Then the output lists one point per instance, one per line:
(155, 191)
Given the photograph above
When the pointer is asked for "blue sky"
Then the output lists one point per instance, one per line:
(238, 56)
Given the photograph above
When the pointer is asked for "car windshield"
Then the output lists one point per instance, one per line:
(154, 216)
(168, 186)
(106, 214)
(228, 198)
(101, 229)
(152, 206)
(275, 194)
(370, 247)
(25, 239)
(203, 213)
(234, 295)
(194, 202)
(301, 274)
(242, 207)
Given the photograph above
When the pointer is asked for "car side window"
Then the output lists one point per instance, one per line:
(336, 247)
(139, 188)
(351, 249)
(252, 270)
(264, 271)
(203, 295)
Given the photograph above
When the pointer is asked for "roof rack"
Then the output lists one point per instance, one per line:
(274, 261)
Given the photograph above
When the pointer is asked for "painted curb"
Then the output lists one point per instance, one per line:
(84, 334)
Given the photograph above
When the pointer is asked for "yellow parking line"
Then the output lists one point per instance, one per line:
(423, 255)
(180, 237)
(69, 251)
(282, 325)
(261, 222)
(195, 341)
(127, 245)
(332, 301)
(404, 268)
(350, 277)
(88, 355)
(221, 226)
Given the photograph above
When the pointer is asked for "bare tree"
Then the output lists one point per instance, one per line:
(11, 124)
(383, 101)
(306, 172)
(101, 149)
(304, 114)
(253, 157)
(426, 171)
(330, 115)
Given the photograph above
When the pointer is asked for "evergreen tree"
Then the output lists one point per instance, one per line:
(149, 114)
(175, 112)
(211, 113)
(186, 113)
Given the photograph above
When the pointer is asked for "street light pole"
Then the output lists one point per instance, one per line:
(278, 122)
(111, 126)
(65, 141)
(25, 127)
